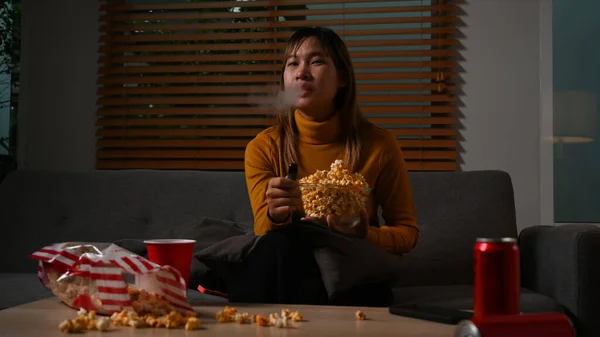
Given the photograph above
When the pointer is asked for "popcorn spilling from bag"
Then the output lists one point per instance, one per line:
(93, 276)
(149, 303)
(336, 192)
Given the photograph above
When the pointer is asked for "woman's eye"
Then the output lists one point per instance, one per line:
(317, 62)
(292, 64)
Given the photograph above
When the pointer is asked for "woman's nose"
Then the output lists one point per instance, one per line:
(302, 73)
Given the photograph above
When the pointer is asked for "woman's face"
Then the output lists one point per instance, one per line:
(311, 74)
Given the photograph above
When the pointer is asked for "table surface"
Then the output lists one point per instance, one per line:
(42, 318)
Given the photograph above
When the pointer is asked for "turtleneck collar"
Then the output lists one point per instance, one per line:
(316, 133)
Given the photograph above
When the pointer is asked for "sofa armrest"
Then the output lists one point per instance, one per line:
(563, 262)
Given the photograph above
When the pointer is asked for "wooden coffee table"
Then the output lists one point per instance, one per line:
(41, 318)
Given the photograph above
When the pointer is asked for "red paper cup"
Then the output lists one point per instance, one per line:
(176, 253)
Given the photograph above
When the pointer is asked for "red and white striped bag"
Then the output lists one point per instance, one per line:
(101, 277)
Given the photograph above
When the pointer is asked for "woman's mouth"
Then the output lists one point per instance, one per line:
(305, 93)
(306, 89)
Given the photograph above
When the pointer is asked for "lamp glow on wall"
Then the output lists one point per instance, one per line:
(574, 118)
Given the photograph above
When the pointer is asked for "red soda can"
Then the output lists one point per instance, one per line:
(497, 277)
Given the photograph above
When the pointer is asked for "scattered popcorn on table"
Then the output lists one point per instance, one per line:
(223, 318)
(102, 323)
(296, 317)
(283, 320)
(229, 311)
(92, 325)
(84, 321)
(172, 320)
(335, 192)
(273, 318)
(227, 315)
(193, 323)
(69, 327)
(242, 318)
(137, 323)
(262, 320)
(360, 316)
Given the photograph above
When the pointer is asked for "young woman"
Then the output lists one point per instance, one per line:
(325, 124)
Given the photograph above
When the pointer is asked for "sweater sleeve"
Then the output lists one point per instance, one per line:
(258, 165)
(399, 233)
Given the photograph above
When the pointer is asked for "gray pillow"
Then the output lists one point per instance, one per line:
(346, 262)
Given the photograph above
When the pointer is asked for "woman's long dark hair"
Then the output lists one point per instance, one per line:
(352, 122)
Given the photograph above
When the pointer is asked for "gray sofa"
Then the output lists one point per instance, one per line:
(453, 209)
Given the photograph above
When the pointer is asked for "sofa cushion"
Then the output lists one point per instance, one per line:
(461, 297)
(454, 209)
(105, 206)
(19, 289)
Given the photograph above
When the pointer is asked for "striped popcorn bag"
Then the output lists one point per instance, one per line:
(107, 278)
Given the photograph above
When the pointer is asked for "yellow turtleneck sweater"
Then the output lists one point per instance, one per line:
(382, 165)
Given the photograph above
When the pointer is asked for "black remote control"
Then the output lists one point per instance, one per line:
(293, 174)
(431, 313)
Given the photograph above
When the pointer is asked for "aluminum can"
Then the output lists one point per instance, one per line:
(497, 277)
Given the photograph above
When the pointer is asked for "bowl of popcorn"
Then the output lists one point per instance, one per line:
(336, 192)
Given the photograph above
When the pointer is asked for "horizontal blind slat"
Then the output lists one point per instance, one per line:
(188, 132)
(273, 24)
(170, 165)
(265, 46)
(182, 121)
(240, 143)
(235, 165)
(266, 56)
(171, 154)
(256, 121)
(255, 89)
(107, 80)
(230, 100)
(245, 132)
(261, 111)
(108, 38)
(271, 13)
(235, 154)
(231, 4)
(208, 69)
